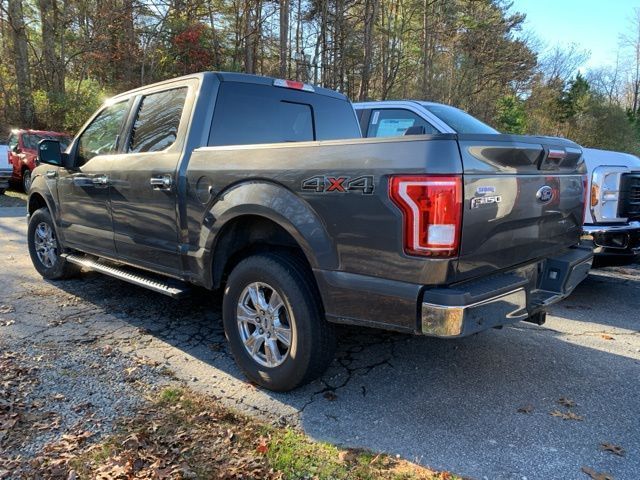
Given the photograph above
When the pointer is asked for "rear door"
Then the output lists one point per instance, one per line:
(523, 200)
(143, 180)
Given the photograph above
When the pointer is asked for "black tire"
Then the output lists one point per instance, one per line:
(59, 267)
(312, 339)
(26, 180)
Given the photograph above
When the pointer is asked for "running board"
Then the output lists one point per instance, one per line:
(167, 286)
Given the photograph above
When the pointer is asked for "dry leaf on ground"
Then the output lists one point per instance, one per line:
(615, 449)
(526, 409)
(566, 415)
(596, 475)
(566, 402)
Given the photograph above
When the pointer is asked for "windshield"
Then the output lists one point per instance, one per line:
(31, 140)
(459, 120)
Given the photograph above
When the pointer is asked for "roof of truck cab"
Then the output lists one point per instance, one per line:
(231, 77)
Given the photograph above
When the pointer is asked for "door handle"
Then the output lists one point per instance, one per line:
(162, 182)
(51, 174)
(100, 180)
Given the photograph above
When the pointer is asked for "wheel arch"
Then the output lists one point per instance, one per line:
(263, 216)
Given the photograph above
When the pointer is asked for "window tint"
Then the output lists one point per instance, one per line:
(157, 122)
(248, 114)
(101, 136)
(390, 122)
(459, 120)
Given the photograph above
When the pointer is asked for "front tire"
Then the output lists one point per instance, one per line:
(45, 248)
(274, 322)
(26, 180)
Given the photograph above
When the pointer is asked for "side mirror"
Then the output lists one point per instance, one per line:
(16, 149)
(415, 130)
(49, 152)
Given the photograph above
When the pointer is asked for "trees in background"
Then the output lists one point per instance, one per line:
(61, 58)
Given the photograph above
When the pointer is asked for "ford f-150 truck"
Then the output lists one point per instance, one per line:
(262, 188)
(612, 218)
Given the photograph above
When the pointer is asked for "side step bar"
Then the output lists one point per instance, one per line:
(167, 286)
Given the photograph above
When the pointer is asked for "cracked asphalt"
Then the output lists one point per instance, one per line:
(448, 404)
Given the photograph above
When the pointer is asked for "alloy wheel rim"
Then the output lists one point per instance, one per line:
(46, 245)
(264, 324)
(26, 182)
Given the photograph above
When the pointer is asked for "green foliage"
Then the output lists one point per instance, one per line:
(511, 115)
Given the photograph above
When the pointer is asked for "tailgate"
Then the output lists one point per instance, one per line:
(523, 200)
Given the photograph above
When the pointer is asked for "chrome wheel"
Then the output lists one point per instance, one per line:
(264, 323)
(46, 245)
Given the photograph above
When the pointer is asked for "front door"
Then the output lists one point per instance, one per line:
(144, 181)
(85, 213)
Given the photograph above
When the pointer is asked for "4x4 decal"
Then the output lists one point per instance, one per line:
(321, 184)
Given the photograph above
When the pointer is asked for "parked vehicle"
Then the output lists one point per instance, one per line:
(612, 220)
(5, 168)
(23, 151)
(252, 184)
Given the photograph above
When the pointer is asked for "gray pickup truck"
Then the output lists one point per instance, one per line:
(263, 188)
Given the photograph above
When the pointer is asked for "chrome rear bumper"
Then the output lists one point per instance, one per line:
(503, 299)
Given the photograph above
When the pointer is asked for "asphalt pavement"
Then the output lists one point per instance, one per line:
(523, 402)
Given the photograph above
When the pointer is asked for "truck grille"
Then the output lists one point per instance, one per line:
(630, 196)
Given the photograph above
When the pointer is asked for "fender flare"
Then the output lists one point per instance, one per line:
(278, 204)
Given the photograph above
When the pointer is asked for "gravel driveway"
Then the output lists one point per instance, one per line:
(520, 403)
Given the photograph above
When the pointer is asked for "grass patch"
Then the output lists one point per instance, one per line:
(186, 435)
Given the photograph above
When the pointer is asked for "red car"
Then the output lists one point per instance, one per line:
(23, 151)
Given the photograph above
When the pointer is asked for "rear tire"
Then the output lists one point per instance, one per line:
(282, 340)
(45, 248)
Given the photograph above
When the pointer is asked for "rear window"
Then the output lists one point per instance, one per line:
(248, 114)
(459, 120)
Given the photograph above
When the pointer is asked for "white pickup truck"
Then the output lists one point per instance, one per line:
(612, 220)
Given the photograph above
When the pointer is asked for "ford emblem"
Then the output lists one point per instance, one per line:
(544, 194)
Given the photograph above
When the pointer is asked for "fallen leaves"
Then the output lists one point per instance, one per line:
(7, 309)
(615, 449)
(331, 396)
(526, 409)
(566, 402)
(566, 415)
(607, 337)
(596, 475)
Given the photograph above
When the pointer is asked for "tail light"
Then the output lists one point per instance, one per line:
(432, 213)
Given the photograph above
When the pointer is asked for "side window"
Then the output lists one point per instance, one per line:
(101, 136)
(157, 121)
(394, 122)
(13, 141)
(248, 114)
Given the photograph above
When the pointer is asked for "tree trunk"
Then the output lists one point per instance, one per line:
(54, 74)
(370, 11)
(21, 62)
(284, 36)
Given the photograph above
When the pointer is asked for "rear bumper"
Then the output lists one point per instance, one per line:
(614, 240)
(471, 307)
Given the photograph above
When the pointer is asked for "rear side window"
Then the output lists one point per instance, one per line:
(392, 122)
(247, 114)
(156, 124)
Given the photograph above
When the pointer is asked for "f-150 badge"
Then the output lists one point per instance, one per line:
(484, 199)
